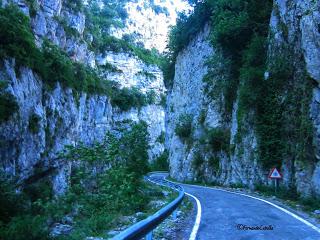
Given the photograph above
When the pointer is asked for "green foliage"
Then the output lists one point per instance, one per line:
(34, 123)
(75, 5)
(151, 97)
(8, 106)
(33, 7)
(17, 221)
(282, 192)
(168, 69)
(234, 24)
(187, 27)
(184, 126)
(127, 98)
(147, 74)
(179, 37)
(97, 195)
(202, 116)
(214, 163)
(163, 100)
(111, 68)
(11, 202)
(252, 75)
(161, 163)
(26, 227)
(284, 127)
(310, 203)
(70, 31)
(219, 139)
(100, 20)
(111, 43)
(16, 39)
(197, 160)
(161, 138)
(53, 65)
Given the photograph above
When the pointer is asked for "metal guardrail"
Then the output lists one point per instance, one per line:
(145, 227)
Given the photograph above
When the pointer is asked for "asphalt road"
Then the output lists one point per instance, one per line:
(226, 215)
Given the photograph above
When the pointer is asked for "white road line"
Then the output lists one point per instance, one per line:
(196, 225)
(270, 203)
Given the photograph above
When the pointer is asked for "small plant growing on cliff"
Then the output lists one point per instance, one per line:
(214, 163)
(197, 160)
(161, 138)
(161, 163)
(219, 139)
(151, 97)
(34, 123)
(75, 5)
(184, 126)
(127, 98)
(8, 106)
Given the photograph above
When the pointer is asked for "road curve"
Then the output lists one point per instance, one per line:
(226, 216)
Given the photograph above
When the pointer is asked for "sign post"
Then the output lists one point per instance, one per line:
(275, 175)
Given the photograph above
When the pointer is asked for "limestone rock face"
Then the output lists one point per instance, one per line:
(295, 23)
(149, 21)
(186, 98)
(66, 117)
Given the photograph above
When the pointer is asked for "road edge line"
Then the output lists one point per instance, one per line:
(265, 201)
(197, 222)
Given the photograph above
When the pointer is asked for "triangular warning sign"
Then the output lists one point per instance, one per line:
(274, 173)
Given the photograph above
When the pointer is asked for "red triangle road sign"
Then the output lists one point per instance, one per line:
(275, 174)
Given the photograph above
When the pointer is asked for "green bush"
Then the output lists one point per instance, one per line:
(282, 192)
(76, 5)
(127, 98)
(163, 100)
(16, 38)
(33, 7)
(26, 227)
(161, 163)
(8, 106)
(96, 196)
(151, 97)
(197, 160)
(34, 123)
(184, 126)
(11, 202)
(219, 139)
(214, 163)
(252, 75)
(109, 67)
(161, 138)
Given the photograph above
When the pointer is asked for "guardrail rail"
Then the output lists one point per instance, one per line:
(145, 227)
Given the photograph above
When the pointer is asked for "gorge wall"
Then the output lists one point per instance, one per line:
(48, 119)
(206, 143)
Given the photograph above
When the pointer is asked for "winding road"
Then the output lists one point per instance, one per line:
(225, 215)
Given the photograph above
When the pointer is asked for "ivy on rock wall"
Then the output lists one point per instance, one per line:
(273, 92)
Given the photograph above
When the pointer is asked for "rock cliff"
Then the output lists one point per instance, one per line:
(62, 116)
(234, 158)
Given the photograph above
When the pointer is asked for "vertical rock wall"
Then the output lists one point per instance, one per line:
(293, 23)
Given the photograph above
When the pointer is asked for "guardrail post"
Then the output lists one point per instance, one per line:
(149, 236)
